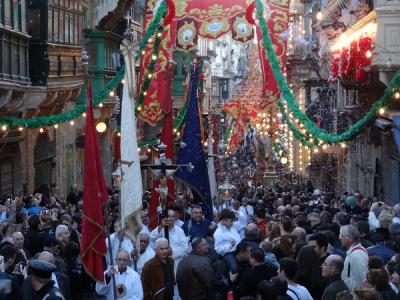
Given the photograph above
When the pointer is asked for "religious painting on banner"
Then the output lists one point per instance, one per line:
(211, 19)
(156, 101)
(278, 22)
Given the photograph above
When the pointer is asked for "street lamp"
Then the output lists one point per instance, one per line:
(226, 190)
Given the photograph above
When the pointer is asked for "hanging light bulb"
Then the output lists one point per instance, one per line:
(144, 93)
(20, 128)
(381, 110)
(324, 146)
(41, 130)
(159, 34)
(149, 150)
(112, 94)
(101, 105)
(397, 95)
(138, 149)
(368, 54)
(4, 127)
(123, 81)
(154, 57)
(55, 126)
(149, 76)
(319, 16)
(84, 115)
(149, 40)
(284, 160)
(316, 150)
(343, 145)
(139, 108)
(72, 123)
(119, 134)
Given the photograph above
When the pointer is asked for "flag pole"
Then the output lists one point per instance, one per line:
(111, 255)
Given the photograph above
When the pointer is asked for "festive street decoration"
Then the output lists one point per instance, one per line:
(151, 108)
(211, 19)
(309, 125)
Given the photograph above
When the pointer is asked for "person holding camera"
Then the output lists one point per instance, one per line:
(177, 240)
(9, 288)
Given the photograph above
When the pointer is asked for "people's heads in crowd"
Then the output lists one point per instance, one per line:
(62, 234)
(273, 289)
(200, 245)
(366, 294)
(375, 263)
(9, 253)
(144, 214)
(256, 257)
(332, 265)
(287, 268)
(144, 241)
(162, 248)
(197, 213)
(18, 239)
(227, 217)
(242, 251)
(378, 278)
(320, 243)
(123, 259)
(349, 235)
(273, 230)
(251, 231)
(385, 219)
(300, 234)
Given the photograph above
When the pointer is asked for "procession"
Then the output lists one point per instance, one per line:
(200, 150)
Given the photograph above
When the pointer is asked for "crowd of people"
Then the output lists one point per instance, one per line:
(264, 244)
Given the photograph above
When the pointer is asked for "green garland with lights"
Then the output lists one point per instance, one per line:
(152, 27)
(296, 133)
(310, 126)
(229, 132)
(78, 110)
(148, 76)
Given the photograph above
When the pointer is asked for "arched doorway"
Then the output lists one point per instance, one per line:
(44, 154)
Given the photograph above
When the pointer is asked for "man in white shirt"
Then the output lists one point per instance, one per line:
(144, 214)
(356, 263)
(287, 271)
(146, 252)
(241, 218)
(247, 209)
(118, 241)
(177, 239)
(127, 281)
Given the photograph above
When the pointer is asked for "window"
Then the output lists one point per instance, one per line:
(67, 22)
(7, 12)
(34, 23)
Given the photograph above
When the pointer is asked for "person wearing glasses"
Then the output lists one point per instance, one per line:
(127, 281)
(331, 271)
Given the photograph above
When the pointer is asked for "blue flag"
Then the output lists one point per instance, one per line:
(192, 150)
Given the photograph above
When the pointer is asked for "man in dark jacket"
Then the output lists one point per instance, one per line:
(41, 280)
(194, 275)
(331, 271)
(158, 278)
(247, 284)
(196, 226)
(61, 281)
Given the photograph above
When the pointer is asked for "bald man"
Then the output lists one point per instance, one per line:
(331, 271)
(22, 253)
(127, 281)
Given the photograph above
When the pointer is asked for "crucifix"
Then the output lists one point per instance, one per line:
(163, 169)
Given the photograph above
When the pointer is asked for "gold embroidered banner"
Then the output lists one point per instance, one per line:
(213, 18)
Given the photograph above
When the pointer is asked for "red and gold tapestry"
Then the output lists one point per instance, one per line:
(158, 92)
(278, 22)
(213, 18)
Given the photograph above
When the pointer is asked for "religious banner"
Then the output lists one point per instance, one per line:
(187, 34)
(242, 30)
(157, 94)
(212, 19)
(277, 14)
